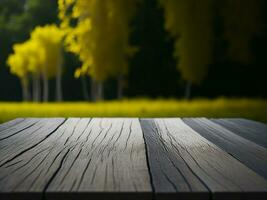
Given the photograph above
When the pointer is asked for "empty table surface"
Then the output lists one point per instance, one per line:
(133, 158)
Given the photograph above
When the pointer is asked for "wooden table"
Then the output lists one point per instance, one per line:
(131, 158)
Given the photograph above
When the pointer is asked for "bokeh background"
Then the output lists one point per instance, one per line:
(148, 58)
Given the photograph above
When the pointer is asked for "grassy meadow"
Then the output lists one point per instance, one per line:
(217, 108)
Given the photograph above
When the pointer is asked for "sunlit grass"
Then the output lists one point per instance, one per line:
(247, 108)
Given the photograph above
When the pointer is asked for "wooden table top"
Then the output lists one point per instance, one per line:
(132, 158)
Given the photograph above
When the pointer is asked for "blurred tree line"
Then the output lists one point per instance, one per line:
(164, 35)
(37, 60)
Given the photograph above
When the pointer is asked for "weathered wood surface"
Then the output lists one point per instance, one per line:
(246, 151)
(170, 173)
(20, 143)
(14, 127)
(130, 158)
(10, 123)
(183, 162)
(251, 130)
(95, 156)
(109, 156)
(253, 124)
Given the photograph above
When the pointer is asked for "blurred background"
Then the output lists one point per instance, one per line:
(184, 57)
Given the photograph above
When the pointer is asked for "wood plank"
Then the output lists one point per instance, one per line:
(101, 158)
(12, 147)
(176, 151)
(109, 162)
(17, 128)
(170, 173)
(252, 155)
(251, 123)
(10, 123)
(26, 175)
(251, 130)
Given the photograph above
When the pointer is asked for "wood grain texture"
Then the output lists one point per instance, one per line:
(14, 158)
(105, 158)
(248, 122)
(17, 127)
(107, 161)
(249, 153)
(170, 173)
(13, 147)
(31, 171)
(28, 174)
(181, 160)
(83, 158)
(251, 130)
(11, 123)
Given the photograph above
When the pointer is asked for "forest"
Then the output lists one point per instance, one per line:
(90, 50)
(134, 58)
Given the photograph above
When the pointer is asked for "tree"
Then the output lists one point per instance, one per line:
(24, 63)
(17, 19)
(49, 38)
(100, 37)
(16, 63)
(189, 22)
(39, 57)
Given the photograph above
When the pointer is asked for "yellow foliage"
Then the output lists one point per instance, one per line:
(40, 54)
(189, 22)
(49, 39)
(26, 59)
(100, 36)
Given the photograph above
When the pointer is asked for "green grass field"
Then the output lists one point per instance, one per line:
(218, 108)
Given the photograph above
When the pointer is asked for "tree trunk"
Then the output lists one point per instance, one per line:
(59, 84)
(188, 90)
(25, 90)
(36, 88)
(45, 88)
(120, 87)
(93, 90)
(85, 88)
(97, 93)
